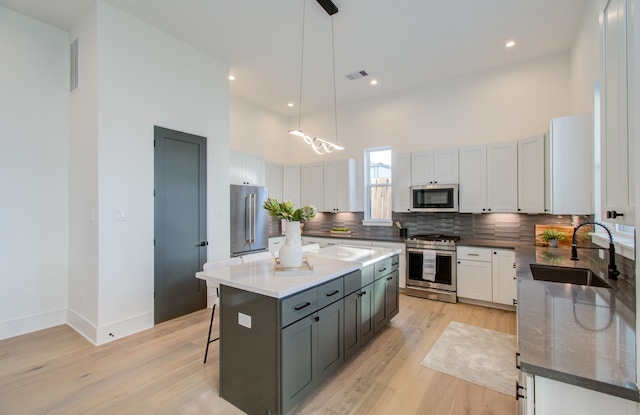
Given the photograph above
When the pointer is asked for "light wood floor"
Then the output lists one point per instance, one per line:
(160, 371)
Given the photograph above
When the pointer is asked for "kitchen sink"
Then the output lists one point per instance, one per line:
(579, 276)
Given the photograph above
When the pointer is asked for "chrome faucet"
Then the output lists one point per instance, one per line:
(613, 270)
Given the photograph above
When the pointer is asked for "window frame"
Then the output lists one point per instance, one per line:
(368, 186)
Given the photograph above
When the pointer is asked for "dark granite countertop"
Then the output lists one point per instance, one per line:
(576, 334)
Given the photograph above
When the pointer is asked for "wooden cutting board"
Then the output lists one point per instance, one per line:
(566, 230)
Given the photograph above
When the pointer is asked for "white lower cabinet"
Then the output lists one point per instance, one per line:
(275, 243)
(474, 280)
(559, 398)
(323, 242)
(486, 274)
(503, 267)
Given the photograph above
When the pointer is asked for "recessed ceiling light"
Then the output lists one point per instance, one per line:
(510, 44)
(232, 78)
(374, 82)
(290, 104)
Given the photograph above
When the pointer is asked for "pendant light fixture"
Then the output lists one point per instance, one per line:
(319, 145)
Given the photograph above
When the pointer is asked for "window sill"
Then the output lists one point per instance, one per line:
(624, 246)
(377, 222)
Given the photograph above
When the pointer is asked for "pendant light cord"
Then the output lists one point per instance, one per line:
(304, 4)
(335, 102)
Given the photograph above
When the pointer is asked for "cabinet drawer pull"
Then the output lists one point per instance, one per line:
(393, 264)
(382, 270)
(301, 306)
(334, 292)
(518, 366)
(473, 254)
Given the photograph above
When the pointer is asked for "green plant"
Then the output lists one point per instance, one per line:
(550, 234)
(285, 210)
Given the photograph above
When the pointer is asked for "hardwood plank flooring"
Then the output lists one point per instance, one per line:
(160, 371)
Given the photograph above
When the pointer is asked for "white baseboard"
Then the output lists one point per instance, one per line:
(123, 328)
(35, 322)
(84, 327)
(109, 332)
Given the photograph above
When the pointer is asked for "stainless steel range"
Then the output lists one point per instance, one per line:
(431, 267)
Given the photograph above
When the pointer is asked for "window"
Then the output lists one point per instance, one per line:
(378, 201)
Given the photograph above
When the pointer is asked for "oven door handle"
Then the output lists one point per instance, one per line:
(438, 252)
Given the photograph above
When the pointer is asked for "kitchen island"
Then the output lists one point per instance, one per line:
(283, 335)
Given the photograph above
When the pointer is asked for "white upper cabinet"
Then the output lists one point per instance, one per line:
(570, 175)
(273, 179)
(502, 177)
(489, 178)
(473, 179)
(247, 169)
(291, 183)
(401, 182)
(312, 185)
(618, 145)
(531, 168)
(436, 166)
(339, 185)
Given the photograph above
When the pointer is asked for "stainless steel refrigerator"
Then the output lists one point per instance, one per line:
(249, 220)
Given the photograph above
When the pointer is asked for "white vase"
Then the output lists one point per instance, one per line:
(553, 243)
(291, 253)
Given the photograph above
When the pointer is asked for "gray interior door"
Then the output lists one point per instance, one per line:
(179, 222)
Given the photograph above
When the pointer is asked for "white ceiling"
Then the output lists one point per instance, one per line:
(401, 43)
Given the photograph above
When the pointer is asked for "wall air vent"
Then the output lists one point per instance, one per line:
(73, 60)
(356, 75)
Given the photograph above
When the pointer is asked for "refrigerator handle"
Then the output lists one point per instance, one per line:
(247, 216)
(255, 215)
(252, 218)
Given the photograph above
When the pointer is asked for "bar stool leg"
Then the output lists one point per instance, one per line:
(209, 341)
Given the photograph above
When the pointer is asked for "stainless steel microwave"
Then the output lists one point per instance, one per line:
(434, 198)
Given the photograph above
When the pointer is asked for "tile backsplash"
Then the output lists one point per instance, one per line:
(493, 226)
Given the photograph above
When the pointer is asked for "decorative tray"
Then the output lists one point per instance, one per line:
(304, 269)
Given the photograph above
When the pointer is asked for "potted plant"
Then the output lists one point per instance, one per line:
(552, 236)
(291, 253)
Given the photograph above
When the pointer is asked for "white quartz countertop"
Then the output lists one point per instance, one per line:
(328, 263)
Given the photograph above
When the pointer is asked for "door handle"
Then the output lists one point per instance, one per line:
(203, 243)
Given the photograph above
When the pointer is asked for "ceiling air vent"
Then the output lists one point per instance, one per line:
(356, 75)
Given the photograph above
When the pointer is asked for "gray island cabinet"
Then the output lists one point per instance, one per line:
(282, 336)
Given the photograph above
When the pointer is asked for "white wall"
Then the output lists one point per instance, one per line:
(496, 105)
(257, 130)
(84, 211)
(144, 78)
(33, 174)
(585, 59)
